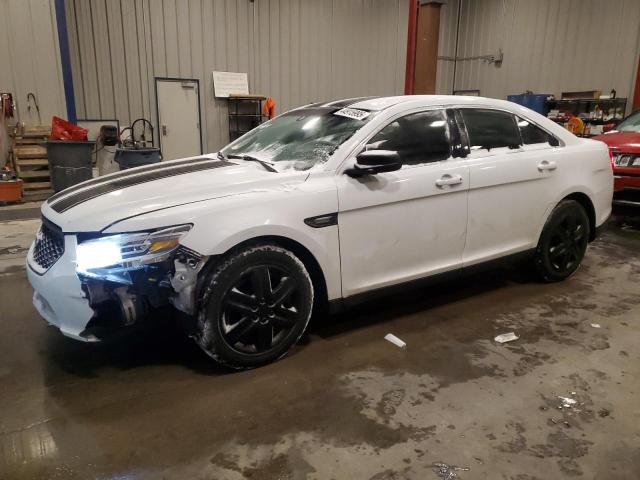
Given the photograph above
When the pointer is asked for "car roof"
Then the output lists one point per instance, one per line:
(381, 103)
(416, 101)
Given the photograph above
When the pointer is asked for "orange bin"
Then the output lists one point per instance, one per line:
(11, 191)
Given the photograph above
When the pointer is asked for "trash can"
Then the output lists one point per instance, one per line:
(69, 162)
(136, 157)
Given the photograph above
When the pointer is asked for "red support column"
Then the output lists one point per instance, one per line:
(636, 93)
(426, 54)
(411, 47)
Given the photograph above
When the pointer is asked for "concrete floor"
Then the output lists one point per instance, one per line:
(345, 404)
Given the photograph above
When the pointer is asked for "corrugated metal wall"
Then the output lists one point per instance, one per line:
(549, 46)
(296, 51)
(30, 58)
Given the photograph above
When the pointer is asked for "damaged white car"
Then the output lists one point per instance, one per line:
(323, 205)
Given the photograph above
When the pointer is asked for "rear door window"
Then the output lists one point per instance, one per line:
(489, 129)
(418, 138)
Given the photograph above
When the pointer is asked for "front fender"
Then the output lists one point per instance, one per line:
(222, 223)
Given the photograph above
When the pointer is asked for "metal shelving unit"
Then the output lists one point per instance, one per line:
(613, 110)
(245, 114)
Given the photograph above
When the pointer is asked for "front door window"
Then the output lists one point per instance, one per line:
(418, 138)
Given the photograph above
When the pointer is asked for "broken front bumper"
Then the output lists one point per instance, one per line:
(58, 295)
(91, 309)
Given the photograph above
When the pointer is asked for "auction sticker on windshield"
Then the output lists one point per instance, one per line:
(353, 113)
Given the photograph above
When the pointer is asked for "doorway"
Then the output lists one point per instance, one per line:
(178, 115)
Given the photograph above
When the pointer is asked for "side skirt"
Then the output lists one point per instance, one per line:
(341, 304)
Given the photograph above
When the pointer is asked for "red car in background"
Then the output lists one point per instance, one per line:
(624, 146)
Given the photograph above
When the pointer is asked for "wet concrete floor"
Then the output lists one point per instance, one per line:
(345, 404)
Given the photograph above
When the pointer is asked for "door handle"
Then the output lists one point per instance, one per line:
(164, 130)
(547, 165)
(447, 179)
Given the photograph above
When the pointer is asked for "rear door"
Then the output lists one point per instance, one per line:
(512, 169)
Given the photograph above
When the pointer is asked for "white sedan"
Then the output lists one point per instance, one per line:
(323, 205)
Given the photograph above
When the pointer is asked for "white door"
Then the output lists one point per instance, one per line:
(512, 184)
(179, 118)
(403, 225)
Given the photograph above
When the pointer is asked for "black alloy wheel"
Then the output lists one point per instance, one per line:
(257, 305)
(563, 242)
(260, 309)
(567, 244)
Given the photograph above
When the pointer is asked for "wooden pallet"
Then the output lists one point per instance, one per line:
(30, 162)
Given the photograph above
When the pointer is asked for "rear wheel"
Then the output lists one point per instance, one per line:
(256, 306)
(563, 242)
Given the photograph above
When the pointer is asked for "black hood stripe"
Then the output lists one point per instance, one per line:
(114, 184)
(126, 173)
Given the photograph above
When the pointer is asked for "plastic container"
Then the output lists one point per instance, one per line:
(136, 157)
(535, 101)
(519, 99)
(69, 162)
(10, 190)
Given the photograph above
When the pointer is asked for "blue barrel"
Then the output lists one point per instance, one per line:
(519, 99)
(535, 101)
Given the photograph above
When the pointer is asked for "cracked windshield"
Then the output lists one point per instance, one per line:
(300, 139)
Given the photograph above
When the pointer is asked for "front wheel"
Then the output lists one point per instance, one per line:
(256, 305)
(563, 242)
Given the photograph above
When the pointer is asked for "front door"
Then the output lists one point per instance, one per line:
(403, 225)
(178, 118)
(513, 182)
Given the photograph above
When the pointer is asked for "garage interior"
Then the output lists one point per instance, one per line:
(144, 81)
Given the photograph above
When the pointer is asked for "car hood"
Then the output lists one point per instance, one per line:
(627, 142)
(96, 204)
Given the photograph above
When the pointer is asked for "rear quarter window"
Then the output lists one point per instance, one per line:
(531, 133)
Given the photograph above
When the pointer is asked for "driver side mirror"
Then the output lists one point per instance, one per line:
(371, 162)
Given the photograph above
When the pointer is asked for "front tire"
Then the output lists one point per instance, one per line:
(563, 242)
(255, 307)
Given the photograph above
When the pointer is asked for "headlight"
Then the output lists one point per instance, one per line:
(108, 256)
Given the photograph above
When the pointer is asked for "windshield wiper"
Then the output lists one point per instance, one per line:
(249, 158)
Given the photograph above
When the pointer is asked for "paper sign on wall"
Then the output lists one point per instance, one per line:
(227, 83)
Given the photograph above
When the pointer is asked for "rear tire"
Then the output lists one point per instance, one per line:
(563, 242)
(255, 307)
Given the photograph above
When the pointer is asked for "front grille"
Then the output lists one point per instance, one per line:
(49, 245)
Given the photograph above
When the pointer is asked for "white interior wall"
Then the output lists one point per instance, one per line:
(549, 46)
(30, 58)
(296, 51)
(299, 51)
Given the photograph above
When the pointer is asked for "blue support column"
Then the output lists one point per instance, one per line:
(65, 60)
